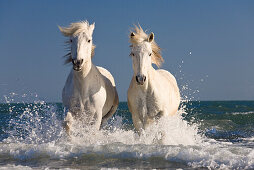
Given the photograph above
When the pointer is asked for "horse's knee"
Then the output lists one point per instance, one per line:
(69, 117)
(98, 120)
(68, 122)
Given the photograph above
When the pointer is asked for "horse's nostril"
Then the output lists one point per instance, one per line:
(144, 78)
(140, 79)
(72, 60)
(137, 78)
(77, 62)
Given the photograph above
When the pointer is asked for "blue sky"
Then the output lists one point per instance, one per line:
(219, 35)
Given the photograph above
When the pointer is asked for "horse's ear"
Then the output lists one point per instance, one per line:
(151, 37)
(132, 34)
(62, 30)
(91, 27)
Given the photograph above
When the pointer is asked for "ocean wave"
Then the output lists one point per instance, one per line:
(15, 167)
(36, 139)
(241, 113)
(209, 154)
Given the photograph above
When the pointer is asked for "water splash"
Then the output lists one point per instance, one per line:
(38, 123)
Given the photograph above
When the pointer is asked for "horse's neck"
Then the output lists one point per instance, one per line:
(149, 85)
(85, 76)
(87, 69)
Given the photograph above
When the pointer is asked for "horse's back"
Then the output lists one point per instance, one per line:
(112, 96)
(107, 74)
(174, 92)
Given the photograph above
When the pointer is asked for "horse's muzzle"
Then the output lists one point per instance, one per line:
(77, 64)
(76, 68)
(140, 79)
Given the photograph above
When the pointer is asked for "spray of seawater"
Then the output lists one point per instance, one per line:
(37, 124)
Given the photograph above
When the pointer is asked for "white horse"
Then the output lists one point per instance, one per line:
(89, 93)
(152, 93)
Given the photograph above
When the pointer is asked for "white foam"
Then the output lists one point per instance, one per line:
(14, 167)
(168, 131)
(20, 167)
(241, 113)
(209, 154)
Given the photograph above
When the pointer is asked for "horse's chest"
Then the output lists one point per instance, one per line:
(89, 101)
(148, 105)
(79, 104)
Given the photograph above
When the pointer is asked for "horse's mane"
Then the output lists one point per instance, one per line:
(73, 30)
(140, 36)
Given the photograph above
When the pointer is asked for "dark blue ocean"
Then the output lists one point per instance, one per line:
(205, 135)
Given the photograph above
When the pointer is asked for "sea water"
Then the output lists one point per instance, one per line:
(204, 135)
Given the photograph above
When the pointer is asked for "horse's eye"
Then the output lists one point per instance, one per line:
(150, 54)
(89, 41)
(71, 40)
(131, 54)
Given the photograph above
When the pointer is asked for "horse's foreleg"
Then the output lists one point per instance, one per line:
(68, 122)
(98, 119)
(137, 123)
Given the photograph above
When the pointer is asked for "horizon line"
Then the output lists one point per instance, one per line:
(182, 101)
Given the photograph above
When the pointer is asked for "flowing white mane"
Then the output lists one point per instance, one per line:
(139, 36)
(73, 30)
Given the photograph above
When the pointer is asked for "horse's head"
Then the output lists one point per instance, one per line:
(144, 52)
(80, 43)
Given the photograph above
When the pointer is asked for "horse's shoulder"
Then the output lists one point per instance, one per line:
(106, 74)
